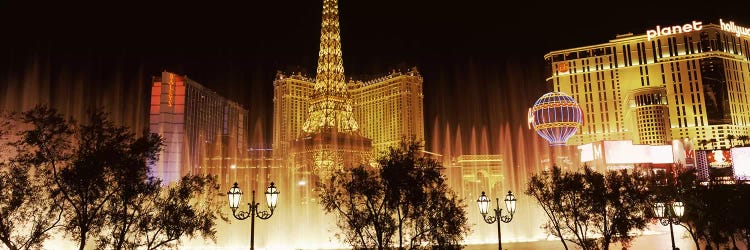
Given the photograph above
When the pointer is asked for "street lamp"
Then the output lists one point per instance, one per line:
(669, 214)
(510, 205)
(235, 195)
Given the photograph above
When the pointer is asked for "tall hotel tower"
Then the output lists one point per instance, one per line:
(204, 133)
(383, 110)
(688, 81)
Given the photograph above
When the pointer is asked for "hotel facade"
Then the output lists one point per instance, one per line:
(204, 133)
(386, 108)
(675, 82)
(383, 110)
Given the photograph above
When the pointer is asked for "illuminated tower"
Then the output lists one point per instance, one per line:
(330, 104)
(330, 139)
(385, 109)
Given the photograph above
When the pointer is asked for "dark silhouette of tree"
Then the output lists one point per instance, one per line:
(624, 204)
(32, 143)
(703, 144)
(98, 174)
(407, 195)
(715, 214)
(357, 196)
(26, 216)
(743, 139)
(187, 209)
(582, 204)
(731, 139)
(546, 188)
(683, 188)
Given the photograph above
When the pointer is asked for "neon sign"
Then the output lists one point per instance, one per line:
(731, 27)
(671, 30)
(170, 95)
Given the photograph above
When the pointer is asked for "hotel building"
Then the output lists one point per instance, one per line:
(385, 109)
(688, 81)
(204, 133)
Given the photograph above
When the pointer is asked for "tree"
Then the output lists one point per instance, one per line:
(407, 196)
(582, 204)
(98, 175)
(25, 220)
(32, 143)
(714, 214)
(731, 138)
(131, 188)
(626, 199)
(357, 197)
(703, 144)
(743, 139)
(683, 188)
(189, 208)
(546, 188)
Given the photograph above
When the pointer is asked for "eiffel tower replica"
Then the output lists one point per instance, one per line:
(330, 139)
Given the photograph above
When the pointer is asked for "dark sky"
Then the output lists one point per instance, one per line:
(484, 57)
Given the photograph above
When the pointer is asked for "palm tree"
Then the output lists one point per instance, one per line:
(713, 141)
(703, 144)
(743, 139)
(731, 138)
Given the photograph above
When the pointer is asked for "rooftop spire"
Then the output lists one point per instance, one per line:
(330, 105)
(330, 75)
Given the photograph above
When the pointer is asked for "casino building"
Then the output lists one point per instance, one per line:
(682, 81)
(383, 109)
(204, 133)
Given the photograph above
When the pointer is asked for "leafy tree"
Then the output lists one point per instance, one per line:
(626, 199)
(731, 139)
(25, 220)
(582, 204)
(546, 188)
(130, 188)
(32, 143)
(97, 173)
(189, 208)
(703, 144)
(743, 139)
(683, 188)
(357, 197)
(406, 196)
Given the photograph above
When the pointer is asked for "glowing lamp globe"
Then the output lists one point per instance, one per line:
(555, 117)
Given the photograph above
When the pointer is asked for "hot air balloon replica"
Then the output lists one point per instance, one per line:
(555, 117)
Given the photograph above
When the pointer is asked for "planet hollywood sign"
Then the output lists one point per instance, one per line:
(671, 30)
(695, 25)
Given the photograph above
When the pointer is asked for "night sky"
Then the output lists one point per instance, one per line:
(482, 61)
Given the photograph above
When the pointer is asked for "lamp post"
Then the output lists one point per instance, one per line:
(235, 195)
(669, 214)
(510, 204)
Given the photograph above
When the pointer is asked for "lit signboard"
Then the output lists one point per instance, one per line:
(625, 152)
(661, 154)
(671, 30)
(731, 27)
(741, 162)
(587, 152)
(719, 158)
(617, 151)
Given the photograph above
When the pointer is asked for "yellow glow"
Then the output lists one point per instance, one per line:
(170, 95)
(672, 30)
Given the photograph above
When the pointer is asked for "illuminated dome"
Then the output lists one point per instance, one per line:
(556, 117)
